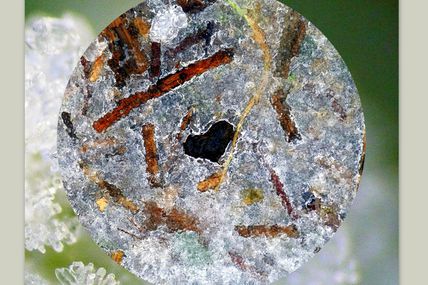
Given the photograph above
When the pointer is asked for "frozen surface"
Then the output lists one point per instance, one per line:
(281, 187)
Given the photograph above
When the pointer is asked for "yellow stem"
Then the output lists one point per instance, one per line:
(260, 38)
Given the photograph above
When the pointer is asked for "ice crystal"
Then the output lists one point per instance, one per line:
(52, 48)
(33, 279)
(42, 228)
(80, 274)
(167, 24)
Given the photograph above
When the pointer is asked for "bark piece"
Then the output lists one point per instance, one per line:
(152, 168)
(163, 86)
(267, 231)
(117, 256)
(175, 220)
(155, 62)
(66, 119)
(127, 55)
(292, 37)
(210, 183)
(194, 6)
(113, 191)
(283, 111)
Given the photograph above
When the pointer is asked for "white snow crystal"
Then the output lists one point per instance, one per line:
(41, 225)
(53, 48)
(79, 274)
(31, 278)
(167, 24)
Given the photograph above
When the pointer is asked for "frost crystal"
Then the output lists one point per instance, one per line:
(42, 228)
(167, 24)
(52, 48)
(79, 274)
(209, 141)
(33, 279)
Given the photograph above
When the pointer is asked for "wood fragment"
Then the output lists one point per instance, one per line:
(210, 183)
(363, 155)
(155, 60)
(337, 107)
(283, 111)
(110, 147)
(330, 164)
(118, 196)
(127, 56)
(99, 143)
(113, 191)
(203, 34)
(240, 263)
(267, 231)
(194, 6)
(117, 256)
(152, 169)
(163, 86)
(175, 220)
(87, 95)
(86, 64)
(142, 26)
(279, 187)
(120, 150)
(102, 203)
(66, 119)
(129, 233)
(185, 122)
(96, 68)
(292, 37)
(166, 167)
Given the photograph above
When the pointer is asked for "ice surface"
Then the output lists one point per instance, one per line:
(298, 141)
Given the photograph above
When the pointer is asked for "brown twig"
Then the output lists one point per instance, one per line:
(163, 86)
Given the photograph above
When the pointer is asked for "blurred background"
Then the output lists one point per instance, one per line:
(365, 249)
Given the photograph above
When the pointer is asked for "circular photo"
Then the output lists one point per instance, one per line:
(211, 142)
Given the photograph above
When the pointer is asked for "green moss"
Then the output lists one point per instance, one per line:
(292, 77)
(252, 196)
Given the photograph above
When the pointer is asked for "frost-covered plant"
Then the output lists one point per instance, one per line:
(79, 274)
(53, 47)
(42, 228)
(33, 279)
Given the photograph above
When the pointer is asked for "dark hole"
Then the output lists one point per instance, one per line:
(310, 201)
(212, 144)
